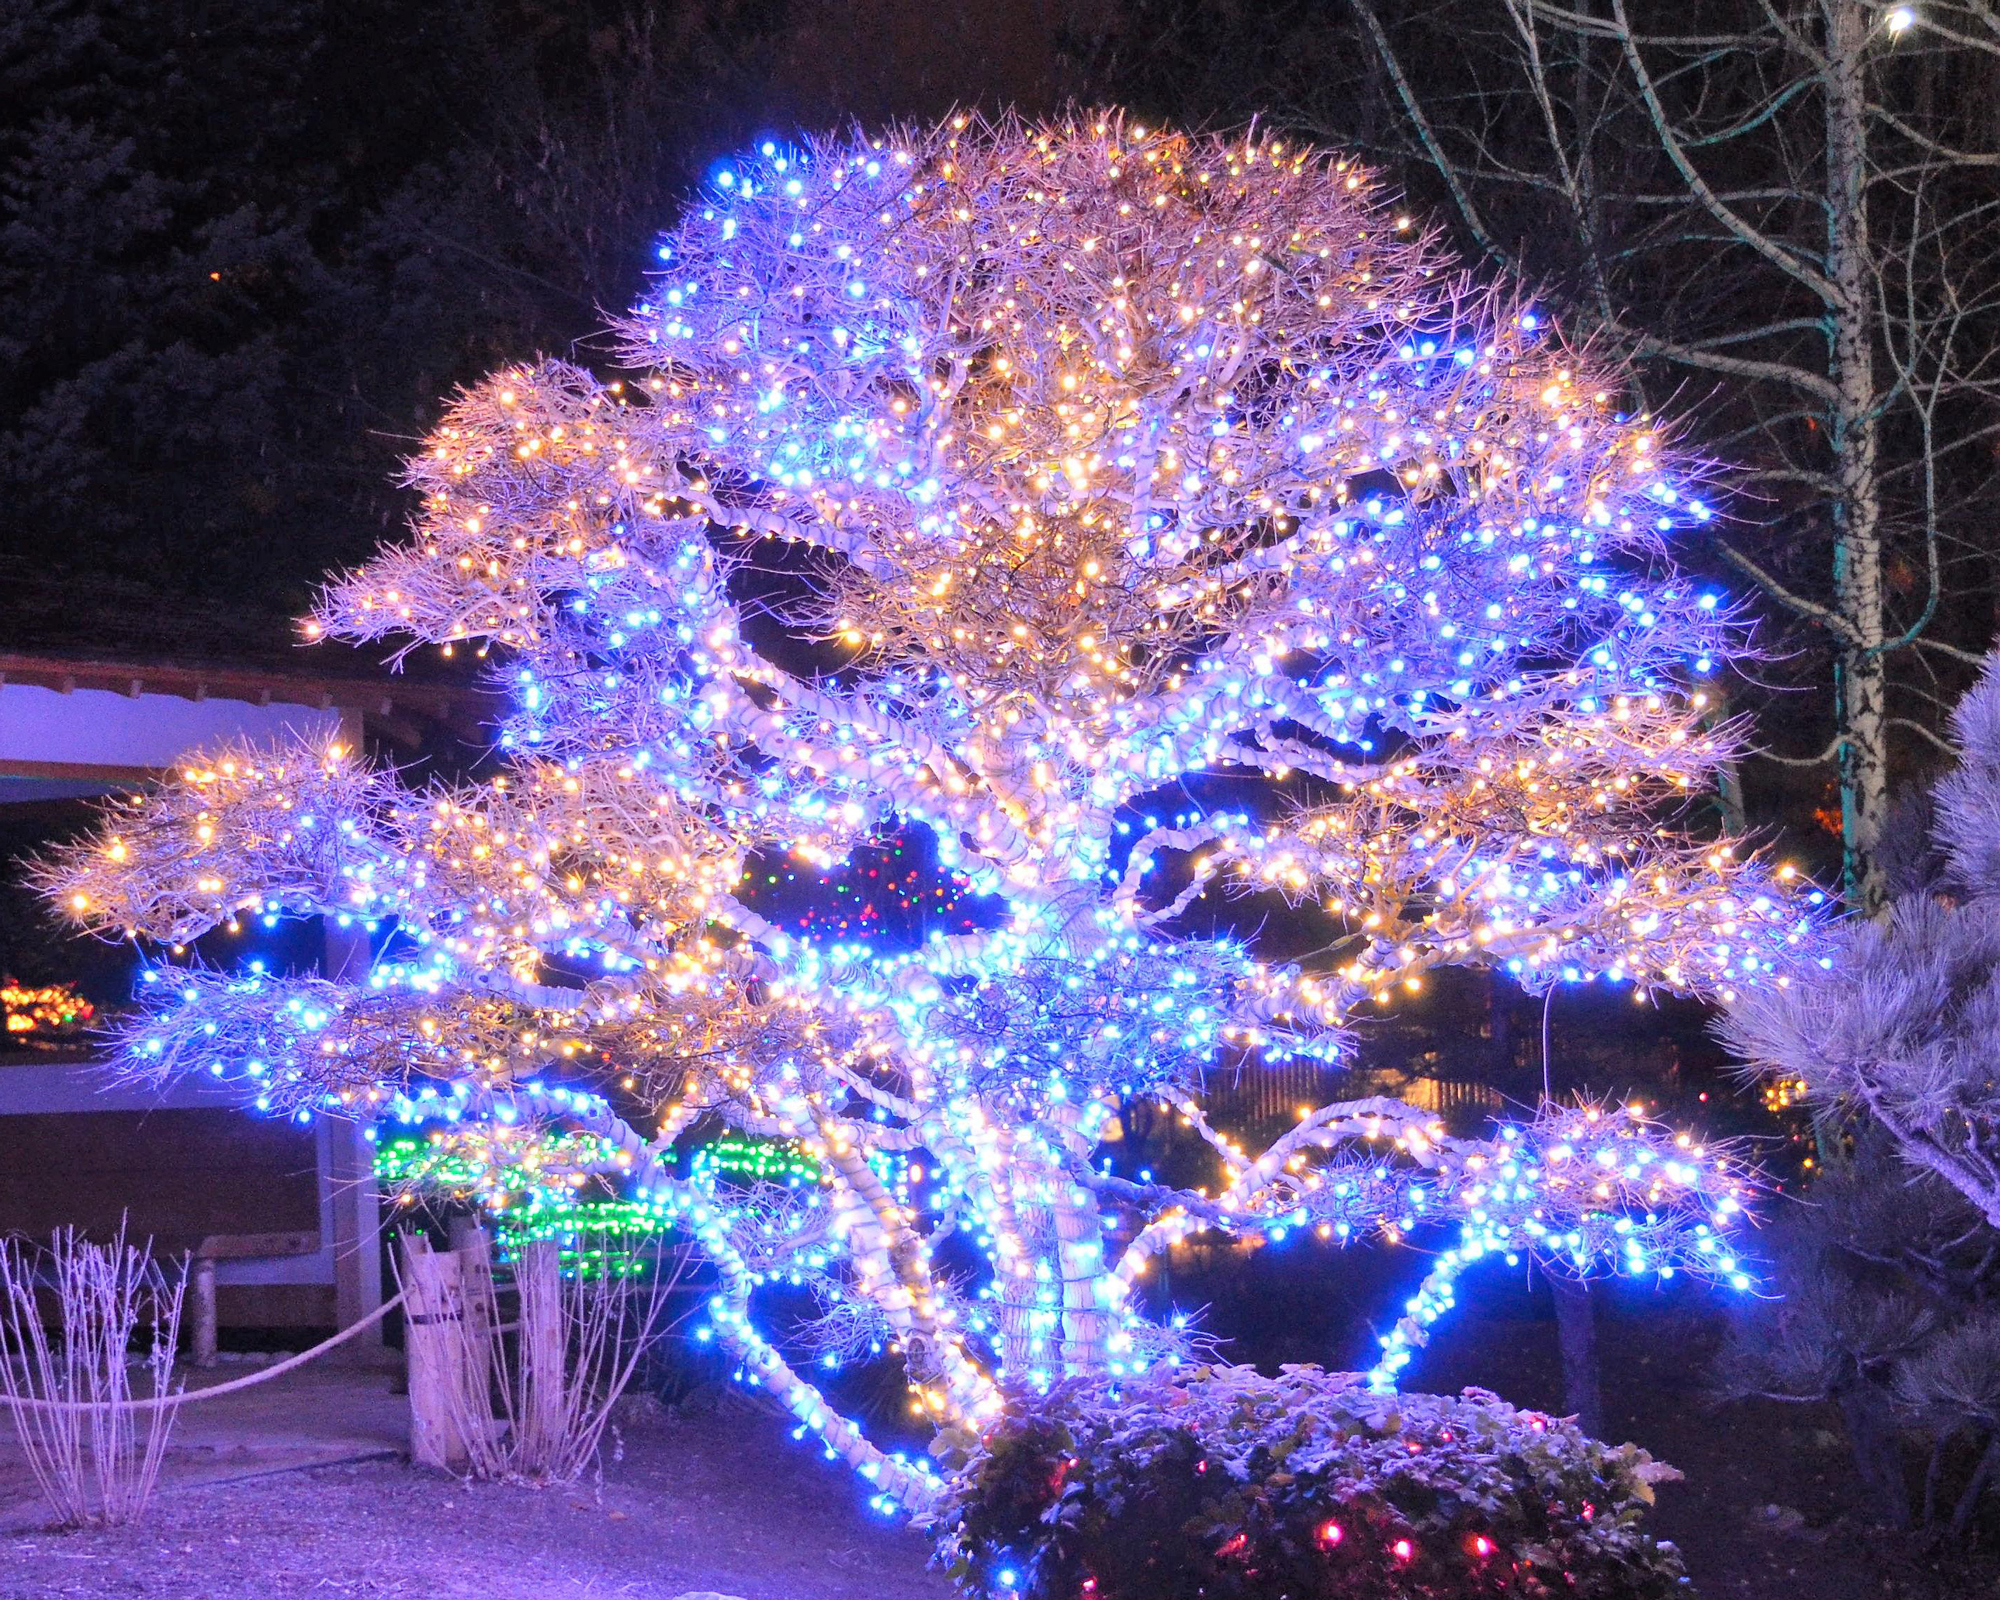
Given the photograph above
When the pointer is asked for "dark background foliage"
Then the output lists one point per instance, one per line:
(248, 246)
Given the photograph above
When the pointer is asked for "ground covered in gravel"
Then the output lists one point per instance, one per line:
(722, 1502)
(297, 1490)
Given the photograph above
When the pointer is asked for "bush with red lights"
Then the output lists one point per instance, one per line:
(1222, 1484)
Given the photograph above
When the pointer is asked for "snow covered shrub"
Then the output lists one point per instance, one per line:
(1223, 1484)
(1900, 1019)
(1886, 1277)
(1882, 1284)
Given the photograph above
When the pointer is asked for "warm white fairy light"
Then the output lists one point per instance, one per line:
(1098, 459)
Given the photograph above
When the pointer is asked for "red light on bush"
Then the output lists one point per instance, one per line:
(1402, 1549)
(1330, 1533)
(1482, 1546)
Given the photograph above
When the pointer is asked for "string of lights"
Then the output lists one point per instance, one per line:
(1013, 491)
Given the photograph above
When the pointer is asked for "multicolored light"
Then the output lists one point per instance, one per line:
(1018, 490)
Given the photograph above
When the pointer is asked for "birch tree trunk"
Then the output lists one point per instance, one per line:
(1861, 668)
(1792, 206)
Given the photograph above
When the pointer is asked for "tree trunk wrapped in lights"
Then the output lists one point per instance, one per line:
(1028, 488)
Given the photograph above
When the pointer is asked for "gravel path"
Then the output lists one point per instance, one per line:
(725, 1503)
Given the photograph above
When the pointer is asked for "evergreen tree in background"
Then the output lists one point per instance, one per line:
(243, 246)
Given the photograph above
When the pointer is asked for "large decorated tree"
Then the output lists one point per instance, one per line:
(1170, 538)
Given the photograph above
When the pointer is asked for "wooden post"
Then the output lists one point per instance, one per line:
(203, 1341)
(255, 1247)
(480, 1348)
(434, 1319)
(349, 1178)
(544, 1353)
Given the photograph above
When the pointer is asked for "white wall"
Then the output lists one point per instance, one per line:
(100, 728)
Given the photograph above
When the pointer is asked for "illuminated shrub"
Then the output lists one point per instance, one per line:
(1227, 1485)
